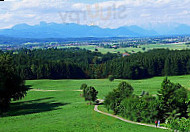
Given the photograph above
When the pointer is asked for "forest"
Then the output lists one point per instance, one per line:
(76, 63)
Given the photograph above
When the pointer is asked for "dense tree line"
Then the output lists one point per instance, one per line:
(156, 62)
(71, 63)
(75, 63)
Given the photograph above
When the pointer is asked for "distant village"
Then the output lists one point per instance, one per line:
(112, 43)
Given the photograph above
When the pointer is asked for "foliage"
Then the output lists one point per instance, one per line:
(111, 78)
(182, 125)
(188, 109)
(76, 63)
(172, 98)
(171, 103)
(114, 98)
(140, 109)
(112, 101)
(11, 85)
(157, 62)
(90, 93)
(70, 63)
(143, 48)
(83, 86)
(125, 89)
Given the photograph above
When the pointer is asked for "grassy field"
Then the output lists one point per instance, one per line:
(178, 46)
(151, 85)
(65, 110)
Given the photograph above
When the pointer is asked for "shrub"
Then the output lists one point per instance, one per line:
(90, 94)
(140, 109)
(182, 124)
(111, 78)
(114, 98)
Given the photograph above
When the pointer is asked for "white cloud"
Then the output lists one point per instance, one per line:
(105, 14)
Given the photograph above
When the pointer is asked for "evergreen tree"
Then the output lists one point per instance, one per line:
(11, 85)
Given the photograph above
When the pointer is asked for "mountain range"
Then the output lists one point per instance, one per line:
(71, 30)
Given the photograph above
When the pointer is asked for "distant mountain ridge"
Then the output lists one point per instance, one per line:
(172, 29)
(71, 30)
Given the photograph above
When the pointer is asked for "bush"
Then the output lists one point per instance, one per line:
(114, 98)
(90, 93)
(172, 98)
(140, 109)
(111, 78)
(182, 124)
(171, 103)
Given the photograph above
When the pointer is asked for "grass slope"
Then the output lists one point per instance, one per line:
(67, 111)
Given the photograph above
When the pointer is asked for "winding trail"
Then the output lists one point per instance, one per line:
(96, 109)
(41, 90)
(120, 118)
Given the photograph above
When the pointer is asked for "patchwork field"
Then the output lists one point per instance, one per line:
(178, 46)
(62, 109)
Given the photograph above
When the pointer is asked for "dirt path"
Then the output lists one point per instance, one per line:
(41, 90)
(120, 118)
(96, 109)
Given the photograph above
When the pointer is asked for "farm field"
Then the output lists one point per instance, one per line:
(65, 110)
(178, 46)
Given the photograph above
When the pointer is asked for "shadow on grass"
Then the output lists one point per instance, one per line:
(28, 87)
(33, 106)
(31, 101)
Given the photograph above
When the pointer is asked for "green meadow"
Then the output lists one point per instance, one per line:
(178, 46)
(66, 111)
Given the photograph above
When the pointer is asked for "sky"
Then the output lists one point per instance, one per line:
(103, 13)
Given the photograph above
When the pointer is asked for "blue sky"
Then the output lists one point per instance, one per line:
(104, 13)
